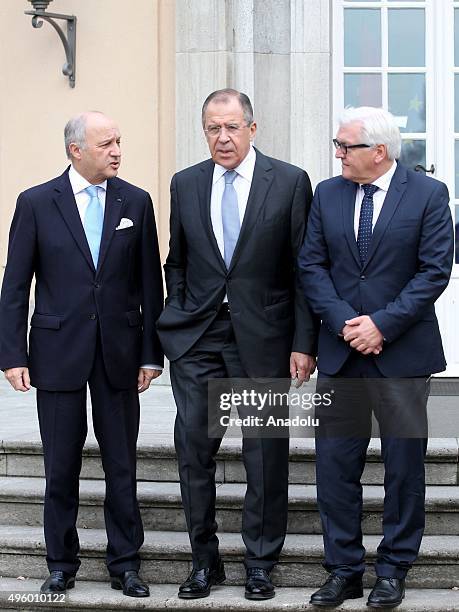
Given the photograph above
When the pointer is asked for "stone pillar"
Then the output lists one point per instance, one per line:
(311, 86)
(203, 63)
(276, 51)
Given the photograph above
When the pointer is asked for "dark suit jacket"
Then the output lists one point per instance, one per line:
(407, 268)
(123, 298)
(268, 311)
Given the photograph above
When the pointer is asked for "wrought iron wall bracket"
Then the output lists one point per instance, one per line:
(420, 168)
(68, 41)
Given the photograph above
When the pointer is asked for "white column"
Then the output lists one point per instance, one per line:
(276, 51)
(310, 76)
(202, 61)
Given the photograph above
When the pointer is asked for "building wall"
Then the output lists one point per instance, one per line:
(125, 67)
(150, 69)
(276, 51)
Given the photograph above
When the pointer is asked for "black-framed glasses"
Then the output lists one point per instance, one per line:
(344, 147)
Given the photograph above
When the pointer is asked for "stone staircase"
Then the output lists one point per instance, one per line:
(433, 584)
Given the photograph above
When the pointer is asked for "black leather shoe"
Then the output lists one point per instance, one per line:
(131, 584)
(336, 589)
(258, 584)
(387, 593)
(199, 581)
(58, 582)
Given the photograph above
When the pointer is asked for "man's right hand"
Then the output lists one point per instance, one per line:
(18, 378)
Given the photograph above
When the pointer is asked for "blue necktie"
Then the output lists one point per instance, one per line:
(93, 223)
(230, 216)
(365, 222)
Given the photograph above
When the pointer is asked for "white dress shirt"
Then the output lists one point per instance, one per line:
(379, 196)
(242, 184)
(82, 197)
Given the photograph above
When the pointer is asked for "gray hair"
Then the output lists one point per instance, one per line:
(224, 95)
(75, 131)
(378, 127)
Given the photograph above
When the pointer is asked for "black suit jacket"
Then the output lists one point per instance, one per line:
(407, 268)
(122, 298)
(269, 313)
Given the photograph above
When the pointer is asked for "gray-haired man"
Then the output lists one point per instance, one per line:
(90, 240)
(377, 254)
(234, 310)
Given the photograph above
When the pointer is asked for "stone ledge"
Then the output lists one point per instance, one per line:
(301, 449)
(98, 595)
(229, 495)
(163, 544)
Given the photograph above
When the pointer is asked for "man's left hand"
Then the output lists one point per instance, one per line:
(146, 375)
(301, 367)
(363, 335)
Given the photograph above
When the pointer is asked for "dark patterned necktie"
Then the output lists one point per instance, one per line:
(365, 222)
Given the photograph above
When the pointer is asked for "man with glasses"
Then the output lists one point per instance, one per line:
(234, 310)
(377, 254)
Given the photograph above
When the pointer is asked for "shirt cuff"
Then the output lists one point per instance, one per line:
(152, 366)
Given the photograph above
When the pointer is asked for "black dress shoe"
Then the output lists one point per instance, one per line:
(336, 589)
(131, 584)
(199, 581)
(258, 584)
(387, 593)
(58, 582)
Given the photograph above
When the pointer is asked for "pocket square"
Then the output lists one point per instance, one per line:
(124, 223)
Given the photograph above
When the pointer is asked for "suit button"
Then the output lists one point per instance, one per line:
(362, 277)
(96, 285)
(93, 317)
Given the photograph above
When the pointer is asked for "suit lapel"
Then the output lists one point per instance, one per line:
(65, 202)
(348, 205)
(396, 190)
(204, 188)
(261, 183)
(112, 216)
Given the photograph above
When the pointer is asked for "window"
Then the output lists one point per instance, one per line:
(381, 55)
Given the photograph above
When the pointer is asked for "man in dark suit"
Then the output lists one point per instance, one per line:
(90, 240)
(234, 309)
(377, 254)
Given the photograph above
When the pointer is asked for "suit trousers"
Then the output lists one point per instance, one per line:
(264, 514)
(63, 428)
(340, 460)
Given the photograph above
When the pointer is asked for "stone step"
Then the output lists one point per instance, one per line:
(157, 462)
(21, 504)
(99, 595)
(166, 558)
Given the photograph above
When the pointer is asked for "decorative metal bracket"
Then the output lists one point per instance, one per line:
(69, 42)
(420, 168)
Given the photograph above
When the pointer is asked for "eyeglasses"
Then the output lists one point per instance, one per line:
(344, 147)
(231, 128)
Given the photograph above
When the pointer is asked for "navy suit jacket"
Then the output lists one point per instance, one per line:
(74, 302)
(269, 313)
(408, 266)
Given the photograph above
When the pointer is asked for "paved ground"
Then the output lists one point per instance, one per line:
(18, 416)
